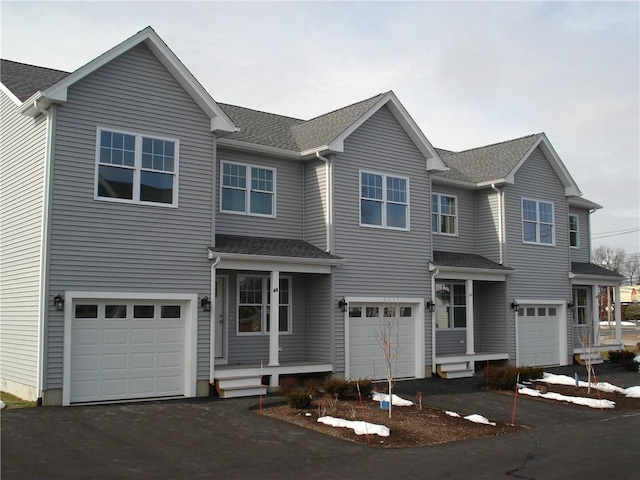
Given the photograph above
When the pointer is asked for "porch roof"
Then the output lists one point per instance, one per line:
(265, 253)
(469, 266)
(591, 271)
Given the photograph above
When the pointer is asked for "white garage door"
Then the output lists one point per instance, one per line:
(366, 358)
(127, 350)
(538, 335)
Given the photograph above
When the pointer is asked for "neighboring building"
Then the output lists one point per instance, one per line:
(145, 226)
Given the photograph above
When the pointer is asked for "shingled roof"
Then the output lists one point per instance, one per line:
(24, 80)
(466, 260)
(580, 268)
(272, 247)
(491, 162)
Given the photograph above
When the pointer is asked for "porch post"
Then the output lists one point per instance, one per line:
(470, 342)
(618, 313)
(274, 319)
(595, 311)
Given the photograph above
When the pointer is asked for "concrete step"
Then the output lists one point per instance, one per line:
(234, 387)
(454, 370)
(582, 358)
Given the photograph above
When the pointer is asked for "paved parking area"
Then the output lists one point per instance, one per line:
(215, 438)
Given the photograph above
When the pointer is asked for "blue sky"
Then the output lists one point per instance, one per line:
(470, 73)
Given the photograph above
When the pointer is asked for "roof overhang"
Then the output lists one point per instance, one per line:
(580, 202)
(219, 121)
(242, 261)
(480, 274)
(583, 279)
(257, 148)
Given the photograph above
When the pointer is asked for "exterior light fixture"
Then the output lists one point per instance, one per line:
(570, 305)
(58, 301)
(342, 303)
(515, 306)
(205, 303)
(431, 305)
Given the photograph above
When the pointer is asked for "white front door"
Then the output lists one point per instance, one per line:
(220, 316)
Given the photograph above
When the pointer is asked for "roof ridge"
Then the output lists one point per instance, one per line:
(347, 106)
(261, 111)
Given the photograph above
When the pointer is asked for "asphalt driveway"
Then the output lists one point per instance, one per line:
(215, 438)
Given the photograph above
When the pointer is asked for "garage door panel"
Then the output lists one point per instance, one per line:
(127, 358)
(538, 336)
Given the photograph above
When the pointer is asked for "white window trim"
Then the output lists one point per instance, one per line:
(538, 223)
(455, 223)
(384, 201)
(577, 231)
(248, 190)
(451, 320)
(266, 299)
(137, 168)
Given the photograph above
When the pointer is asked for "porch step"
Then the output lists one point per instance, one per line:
(242, 386)
(455, 370)
(582, 358)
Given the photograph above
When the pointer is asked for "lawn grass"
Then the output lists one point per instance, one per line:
(12, 401)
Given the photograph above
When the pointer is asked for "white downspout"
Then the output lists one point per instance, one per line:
(500, 232)
(434, 274)
(43, 293)
(212, 335)
(329, 193)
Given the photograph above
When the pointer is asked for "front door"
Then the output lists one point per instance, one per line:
(220, 316)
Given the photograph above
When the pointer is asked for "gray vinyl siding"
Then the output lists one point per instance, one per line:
(315, 203)
(107, 246)
(252, 349)
(541, 271)
(465, 240)
(490, 317)
(318, 339)
(22, 159)
(380, 262)
(289, 185)
(488, 224)
(451, 342)
(582, 253)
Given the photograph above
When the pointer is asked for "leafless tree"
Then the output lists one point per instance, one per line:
(388, 338)
(631, 268)
(609, 258)
(589, 339)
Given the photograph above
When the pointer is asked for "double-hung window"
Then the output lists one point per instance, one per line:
(247, 189)
(444, 214)
(451, 305)
(253, 305)
(136, 168)
(384, 201)
(537, 222)
(573, 231)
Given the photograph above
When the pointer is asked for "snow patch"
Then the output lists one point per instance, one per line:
(479, 419)
(602, 386)
(452, 414)
(589, 402)
(2, 404)
(397, 401)
(360, 428)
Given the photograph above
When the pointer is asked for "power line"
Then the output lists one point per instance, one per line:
(597, 237)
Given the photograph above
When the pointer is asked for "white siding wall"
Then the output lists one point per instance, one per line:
(380, 262)
(22, 158)
(98, 245)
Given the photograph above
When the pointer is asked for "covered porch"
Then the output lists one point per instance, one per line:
(595, 308)
(469, 313)
(272, 313)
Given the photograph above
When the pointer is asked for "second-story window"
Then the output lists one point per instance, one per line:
(384, 201)
(537, 222)
(573, 231)
(136, 168)
(247, 189)
(444, 214)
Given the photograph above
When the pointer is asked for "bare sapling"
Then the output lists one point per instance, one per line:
(589, 338)
(388, 338)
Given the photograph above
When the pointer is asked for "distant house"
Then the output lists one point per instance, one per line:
(158, 244)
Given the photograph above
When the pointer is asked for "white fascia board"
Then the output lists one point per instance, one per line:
(236, 261)
(581, 279)
(9, 93)
(581, 202)
(256, 148)
(220, 121)
(480, 274)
